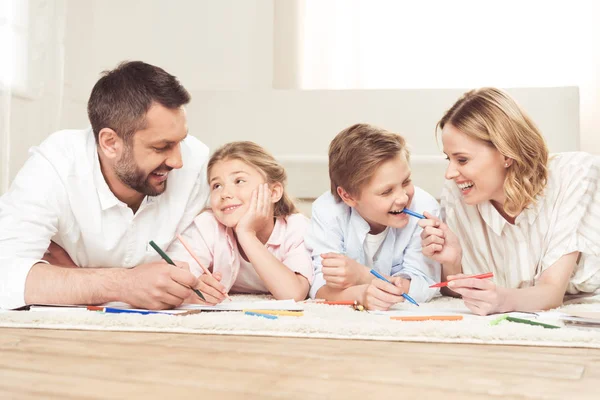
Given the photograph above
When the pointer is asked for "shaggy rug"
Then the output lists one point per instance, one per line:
(336, 322)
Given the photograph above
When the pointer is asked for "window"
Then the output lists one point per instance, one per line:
(379, 44)
(14, 21)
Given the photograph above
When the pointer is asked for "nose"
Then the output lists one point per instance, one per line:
(451, 172)
(175, 161)
(225, 193)
(402, 199)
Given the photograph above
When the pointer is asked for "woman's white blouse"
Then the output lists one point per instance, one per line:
(565, 218)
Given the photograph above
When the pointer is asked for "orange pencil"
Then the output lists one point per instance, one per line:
(429, 318)
(481, 276)
(189, 250)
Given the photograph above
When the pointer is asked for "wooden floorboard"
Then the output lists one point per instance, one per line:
(97, 365)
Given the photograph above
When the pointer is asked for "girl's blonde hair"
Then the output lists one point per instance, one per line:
(257, 157)
(491, 115)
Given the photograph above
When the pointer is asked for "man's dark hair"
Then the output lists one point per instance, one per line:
(123, 96)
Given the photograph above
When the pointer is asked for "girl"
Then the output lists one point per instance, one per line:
(511, 210)
(252, 239)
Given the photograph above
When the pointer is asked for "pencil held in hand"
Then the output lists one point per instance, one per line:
(189, 250)
(481, 276)
(168, 260)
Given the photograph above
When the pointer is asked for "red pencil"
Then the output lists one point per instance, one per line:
(482, 276)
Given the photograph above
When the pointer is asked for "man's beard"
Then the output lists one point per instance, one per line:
(131, 175)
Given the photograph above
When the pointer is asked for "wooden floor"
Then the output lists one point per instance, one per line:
(98, 365)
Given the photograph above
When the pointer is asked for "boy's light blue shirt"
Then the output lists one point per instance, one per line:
(337, 228)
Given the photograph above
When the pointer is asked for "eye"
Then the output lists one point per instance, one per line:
(407, 182)
(239, 180)
(160, 149)
(447, 158)
(462, 161)
(387, 192)
(216, 186)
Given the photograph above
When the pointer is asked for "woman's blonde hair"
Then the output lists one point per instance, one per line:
(491, 115)
(257, 157)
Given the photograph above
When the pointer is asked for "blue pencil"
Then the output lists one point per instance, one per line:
(407, 297)
(256, 314)
(111, 310)
(414, 214)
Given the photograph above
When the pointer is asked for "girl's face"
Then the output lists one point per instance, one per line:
(478, 169)
(231, 185)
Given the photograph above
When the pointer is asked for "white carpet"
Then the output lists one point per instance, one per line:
(324, 321)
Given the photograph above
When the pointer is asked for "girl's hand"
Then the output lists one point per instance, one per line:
(212, 289)
(259, 213)
(381, 295)
(438, 242)
(481, 296)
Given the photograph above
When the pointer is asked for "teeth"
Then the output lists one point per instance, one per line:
(466, 185)
(396, 212)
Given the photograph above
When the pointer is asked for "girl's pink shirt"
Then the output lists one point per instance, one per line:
(216, 247)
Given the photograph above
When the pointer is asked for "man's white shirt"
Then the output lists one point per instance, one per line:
(60, 194)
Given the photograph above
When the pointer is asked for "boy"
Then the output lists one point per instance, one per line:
(360, 225)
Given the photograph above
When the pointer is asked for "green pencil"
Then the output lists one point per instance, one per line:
(521, 321)
(168, 260)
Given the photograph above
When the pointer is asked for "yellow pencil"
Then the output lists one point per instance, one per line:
(278, 312)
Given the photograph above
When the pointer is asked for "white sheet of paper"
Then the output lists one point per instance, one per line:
(281, 305)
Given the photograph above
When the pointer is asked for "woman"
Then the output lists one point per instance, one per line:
(531, 219)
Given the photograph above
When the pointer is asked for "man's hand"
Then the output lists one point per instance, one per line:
(158, 286)
(341, 272)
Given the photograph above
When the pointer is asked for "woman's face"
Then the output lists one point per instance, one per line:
(477, 168)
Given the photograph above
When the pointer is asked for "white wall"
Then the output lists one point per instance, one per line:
(211, 45)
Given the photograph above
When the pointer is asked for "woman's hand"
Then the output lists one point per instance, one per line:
(439, 243)
(481, 296)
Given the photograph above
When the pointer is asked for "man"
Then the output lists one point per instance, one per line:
(102, 194)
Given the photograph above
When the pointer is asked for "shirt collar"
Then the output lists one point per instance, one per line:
(361, 227)
(278, 234)
(106, 196)
(496, 221)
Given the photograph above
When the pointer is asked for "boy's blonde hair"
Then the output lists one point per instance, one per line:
(356, 153)
(257, 157)
(491, 115)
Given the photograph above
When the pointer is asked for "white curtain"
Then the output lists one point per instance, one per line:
(384, 44)
(31, 75)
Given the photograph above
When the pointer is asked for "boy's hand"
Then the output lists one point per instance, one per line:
(212, 289)
(438, 242)
(381, 295)
(259, 212)
(341, 272)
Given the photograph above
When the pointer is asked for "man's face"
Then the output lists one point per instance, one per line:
(153, 152)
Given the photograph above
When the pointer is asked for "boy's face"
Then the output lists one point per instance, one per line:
(382, 199)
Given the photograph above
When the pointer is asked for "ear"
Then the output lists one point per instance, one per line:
(507, 162)
(276, 192)
(346, 197)
(110, 143)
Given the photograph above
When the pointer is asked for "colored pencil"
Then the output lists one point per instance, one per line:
(277, 312)
(168, 260)
(414, 214)
(428, 317)
(407, 297)
(481, 276)
(256, 314)
(189, 250)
